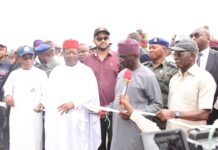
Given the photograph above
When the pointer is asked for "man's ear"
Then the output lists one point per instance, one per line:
(166, 50)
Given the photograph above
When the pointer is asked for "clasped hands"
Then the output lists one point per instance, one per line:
(63, 108)
(11, 103)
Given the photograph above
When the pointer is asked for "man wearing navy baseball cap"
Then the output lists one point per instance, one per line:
(24, 93)
(26, 53)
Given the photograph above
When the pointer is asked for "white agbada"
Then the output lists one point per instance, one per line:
(27, 87)
(78, 129)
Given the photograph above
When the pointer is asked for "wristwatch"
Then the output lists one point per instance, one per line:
(177, 114)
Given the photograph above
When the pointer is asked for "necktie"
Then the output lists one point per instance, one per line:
(198, 61)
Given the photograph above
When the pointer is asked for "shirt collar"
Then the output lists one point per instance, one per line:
(193, 70)
(160, 65)
(205, 52)
(109, 52)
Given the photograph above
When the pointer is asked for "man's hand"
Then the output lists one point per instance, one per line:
(125, 115)
(102, 114)
(124, 102)
(9, 100)
(66, 107)
(39, 108)
(128, 108)
(165, 114)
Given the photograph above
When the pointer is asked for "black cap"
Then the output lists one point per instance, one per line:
(101, 29)
(1, 45)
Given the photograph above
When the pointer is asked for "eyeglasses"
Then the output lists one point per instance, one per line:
(102, 38)
(196, 35)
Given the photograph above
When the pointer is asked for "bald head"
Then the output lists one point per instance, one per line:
(203, 30)
(83, 45)
(134, 36)
(202, 37)
(83, 51)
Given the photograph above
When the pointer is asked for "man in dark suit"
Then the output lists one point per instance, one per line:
(207, 59)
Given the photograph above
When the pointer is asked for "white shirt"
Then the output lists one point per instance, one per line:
(204, 57)
(191, 91)
(28, 90)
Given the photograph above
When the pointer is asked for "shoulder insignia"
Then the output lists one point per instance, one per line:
(171, 64)
(147, 63)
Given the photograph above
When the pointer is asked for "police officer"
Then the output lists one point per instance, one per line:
(163, 70)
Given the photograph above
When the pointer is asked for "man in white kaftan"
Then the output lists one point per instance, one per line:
(69, 125)
(24, 91)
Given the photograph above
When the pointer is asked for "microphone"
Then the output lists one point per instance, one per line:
(127, 77)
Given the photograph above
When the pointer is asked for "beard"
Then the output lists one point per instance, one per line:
(103, 49)
(50, 62)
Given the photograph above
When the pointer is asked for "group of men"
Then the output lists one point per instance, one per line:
(182, 92)
(28, 93)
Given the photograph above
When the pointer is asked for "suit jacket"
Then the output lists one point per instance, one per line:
(212, 68)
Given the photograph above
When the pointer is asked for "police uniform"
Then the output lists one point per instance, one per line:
(164, 72)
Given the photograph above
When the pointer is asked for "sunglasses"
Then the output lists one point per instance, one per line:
(58, 49)
(102, 38)
(196, 35)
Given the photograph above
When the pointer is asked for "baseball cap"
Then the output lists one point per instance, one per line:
(101, 29)
(185, 45)
(25, 50)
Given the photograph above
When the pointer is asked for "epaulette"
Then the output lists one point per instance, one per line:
(171, 64)
(147, 63)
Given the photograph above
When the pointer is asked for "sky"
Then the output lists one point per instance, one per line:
(23, 21)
